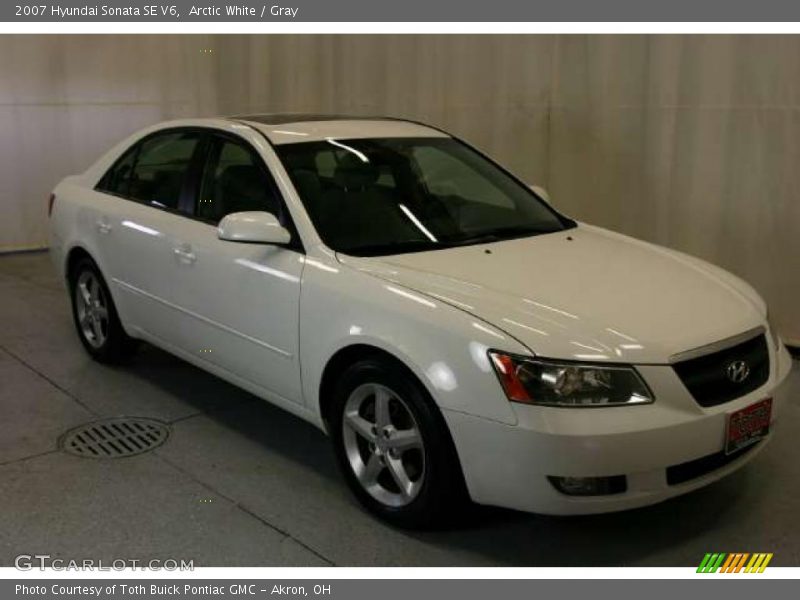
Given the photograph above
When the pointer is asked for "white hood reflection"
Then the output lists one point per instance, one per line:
(583, 294)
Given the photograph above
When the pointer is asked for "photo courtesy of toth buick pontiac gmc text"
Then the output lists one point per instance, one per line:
(454, 335)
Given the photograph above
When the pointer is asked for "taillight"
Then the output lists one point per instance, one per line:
(50, 204)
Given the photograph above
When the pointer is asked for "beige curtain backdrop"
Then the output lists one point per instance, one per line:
(688, 141)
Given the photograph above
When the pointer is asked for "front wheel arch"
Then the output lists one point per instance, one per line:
(340, 373)
(338, 364)
(350, 355)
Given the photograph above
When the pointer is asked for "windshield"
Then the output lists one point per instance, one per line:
(370, 197)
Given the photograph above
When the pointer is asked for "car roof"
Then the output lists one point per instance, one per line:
(292, 128)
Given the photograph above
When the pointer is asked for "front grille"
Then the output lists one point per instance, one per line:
(693, 469)
(707, 379)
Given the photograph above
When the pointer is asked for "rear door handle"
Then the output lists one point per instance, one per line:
(184, 254)
(102, 225)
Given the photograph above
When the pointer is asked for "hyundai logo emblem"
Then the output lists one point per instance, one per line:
(737, 371)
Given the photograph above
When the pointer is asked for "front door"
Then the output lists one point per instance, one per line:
(238, 302)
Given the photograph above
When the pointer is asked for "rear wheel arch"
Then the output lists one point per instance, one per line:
(104, 337)
(74, 257)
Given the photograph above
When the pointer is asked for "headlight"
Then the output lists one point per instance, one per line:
(552, 383)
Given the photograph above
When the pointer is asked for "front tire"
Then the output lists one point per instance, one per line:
(95, 316)
(393, 446)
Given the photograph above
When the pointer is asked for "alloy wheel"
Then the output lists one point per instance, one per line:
(92, 309)
(383, 444)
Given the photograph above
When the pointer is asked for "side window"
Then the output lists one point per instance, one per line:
(446, 175)
(160, 168)
(235, 180)
(118, 177)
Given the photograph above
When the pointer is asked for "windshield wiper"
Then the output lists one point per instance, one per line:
(487, 236)
(499, 234)
(392, 248)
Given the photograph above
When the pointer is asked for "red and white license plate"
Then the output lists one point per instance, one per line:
(748, 425)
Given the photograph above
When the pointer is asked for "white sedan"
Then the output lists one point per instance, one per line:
(452, 333)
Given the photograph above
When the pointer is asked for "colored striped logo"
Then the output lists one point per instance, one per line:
(737, 562)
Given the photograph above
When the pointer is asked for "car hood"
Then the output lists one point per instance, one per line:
(583, 294)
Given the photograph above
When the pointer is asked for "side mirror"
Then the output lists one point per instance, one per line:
(253, 226)
(541, 192)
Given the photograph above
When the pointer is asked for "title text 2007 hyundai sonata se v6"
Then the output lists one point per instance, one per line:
(452, 333)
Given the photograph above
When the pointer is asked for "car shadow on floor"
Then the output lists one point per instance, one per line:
(499, 536)
(234, 408)
(635, 537)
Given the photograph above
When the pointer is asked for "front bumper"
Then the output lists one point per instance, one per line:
(508, 465)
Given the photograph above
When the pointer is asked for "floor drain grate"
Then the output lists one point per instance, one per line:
(115, 437)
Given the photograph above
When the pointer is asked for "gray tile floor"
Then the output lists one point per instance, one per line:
(240, 483)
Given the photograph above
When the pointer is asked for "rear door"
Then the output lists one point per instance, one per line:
(153, 178)
(238, 302)
(99, 219)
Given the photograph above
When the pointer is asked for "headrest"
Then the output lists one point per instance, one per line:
(307, 183)
(244, 180)
(306, 161)
(354, 174)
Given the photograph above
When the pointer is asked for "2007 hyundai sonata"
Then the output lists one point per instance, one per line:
(452, 332)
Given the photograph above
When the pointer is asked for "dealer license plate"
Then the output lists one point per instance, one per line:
(748, 425)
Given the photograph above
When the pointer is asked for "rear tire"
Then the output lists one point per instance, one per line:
(393, 446)
(95, 316)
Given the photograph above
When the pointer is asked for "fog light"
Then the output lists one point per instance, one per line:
(589, 486)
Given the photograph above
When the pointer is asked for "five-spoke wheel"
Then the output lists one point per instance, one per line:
(90, 303)
(393, 445)
(383, 444)
(95, 315)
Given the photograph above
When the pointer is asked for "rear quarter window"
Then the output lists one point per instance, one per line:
(117, 178)
(154, 170)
